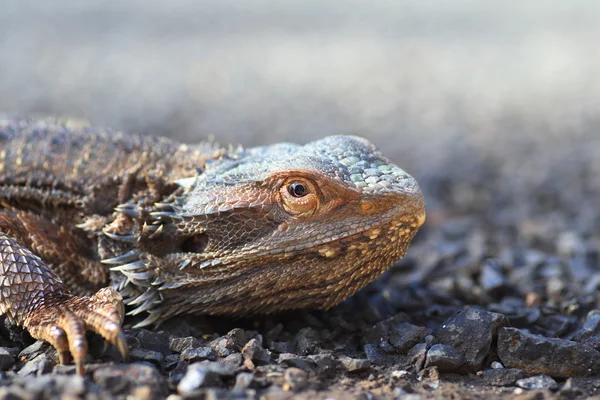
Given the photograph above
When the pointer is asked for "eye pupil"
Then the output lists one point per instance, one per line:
(297, 189)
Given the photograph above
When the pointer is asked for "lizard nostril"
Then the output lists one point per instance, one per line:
(195, 244)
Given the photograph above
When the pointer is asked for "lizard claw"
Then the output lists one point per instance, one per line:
(63, 320)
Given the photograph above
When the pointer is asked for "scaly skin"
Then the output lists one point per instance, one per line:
(179, 230)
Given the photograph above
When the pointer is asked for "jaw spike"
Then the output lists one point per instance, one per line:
(129, 267)
(121, 238)
(123, 258)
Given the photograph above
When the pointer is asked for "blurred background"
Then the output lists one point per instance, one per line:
(481, 101)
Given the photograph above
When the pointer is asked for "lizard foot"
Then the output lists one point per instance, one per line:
(62, 320)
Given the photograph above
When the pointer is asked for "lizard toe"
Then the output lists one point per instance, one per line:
(63, 320)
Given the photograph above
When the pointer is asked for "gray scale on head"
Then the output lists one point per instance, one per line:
(350, 159)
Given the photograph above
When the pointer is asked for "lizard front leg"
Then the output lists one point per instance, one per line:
(33, 296)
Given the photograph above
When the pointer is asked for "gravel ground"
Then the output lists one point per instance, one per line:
(492, 109)
(497, 297)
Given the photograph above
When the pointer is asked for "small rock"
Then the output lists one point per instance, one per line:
(146, 355)
(254, 352)
(538, 382)
(234, 359)
(282, 347)
(503, 376)
(119, 379)
(224, 346)
(575, 387)
(325, 363)
(540, 355)
(204, 374)
(198, 354)
(292, 360)
(354, 364)
(306, 341)
(179, 345)
(404, 336)
(400, 374)
(443, 356)
(497, 365)
(492, 279)
(417, 356)
(590, 331)
(7, 358)
(243, 381)
(471, 332)
(295, 379)
(171, 361)
(397, 332)
(38, 365)
(239, 338)
(156, 341)
(72, 386)
(34, 349)
(374, 353)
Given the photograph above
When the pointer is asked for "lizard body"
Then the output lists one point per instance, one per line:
(88, 217)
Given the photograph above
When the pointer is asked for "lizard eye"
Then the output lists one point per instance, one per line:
(297, 189)
(299, 196)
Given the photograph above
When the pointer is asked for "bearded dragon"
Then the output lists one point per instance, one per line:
(93, 218)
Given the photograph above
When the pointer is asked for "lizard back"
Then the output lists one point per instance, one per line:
(52, 168)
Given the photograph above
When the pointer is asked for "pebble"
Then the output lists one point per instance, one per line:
(536, 354)
(121, 378)
(503, 376)
(254, 352)
(354, 364)
(417, 356)
(443, 356)
(146, 355)
(204, 374)
(198, 354)
(38, 365)
(374, 353)
(7, 358)
(306, 341)
(155, 341)
(295, 379)
(538, 382)
(179, 345)
(325, 362)
(471, 332)
(292, 360)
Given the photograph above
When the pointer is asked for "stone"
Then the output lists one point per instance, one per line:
(292, 360)
(325, 363)
(443, 356)
(154, 357)
(400, 334)
(536, 354)
(503, 376)
(38, 365)
(354, 364)
(295, 379)
(121, 378)
(179, 345)
(254, 352)
(156, 341)
(471, 332)
(198, 354)
(306, 341)
(374, 353)
(205, 374)
(417, 356)
(538, 382)
(7, 358)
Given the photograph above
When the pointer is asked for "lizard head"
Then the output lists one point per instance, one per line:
(285, 227)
